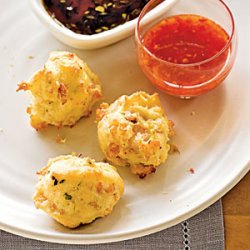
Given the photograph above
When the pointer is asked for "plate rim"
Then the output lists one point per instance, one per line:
(134, 234)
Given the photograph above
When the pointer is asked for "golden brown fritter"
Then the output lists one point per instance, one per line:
(62, 92)
(75, 190)
(134, 131)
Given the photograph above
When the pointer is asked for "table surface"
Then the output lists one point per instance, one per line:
(236, 208)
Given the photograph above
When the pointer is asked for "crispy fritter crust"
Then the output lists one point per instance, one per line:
(134, 131)
(75, 190)
(62, 92)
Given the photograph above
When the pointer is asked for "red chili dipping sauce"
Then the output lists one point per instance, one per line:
(185, 50)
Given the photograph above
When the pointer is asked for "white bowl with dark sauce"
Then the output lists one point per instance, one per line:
(90, 36)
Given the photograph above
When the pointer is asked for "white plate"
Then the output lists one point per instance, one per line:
(215, 141)
(92, 41)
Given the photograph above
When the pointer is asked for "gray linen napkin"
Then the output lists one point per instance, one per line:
(204, 231)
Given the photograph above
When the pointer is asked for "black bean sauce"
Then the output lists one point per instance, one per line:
(93, 16)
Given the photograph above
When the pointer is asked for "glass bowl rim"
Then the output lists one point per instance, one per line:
(227, 45)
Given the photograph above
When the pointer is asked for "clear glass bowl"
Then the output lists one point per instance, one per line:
(187, 80)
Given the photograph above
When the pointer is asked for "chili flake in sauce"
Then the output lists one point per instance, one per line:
(186, 39)
(185, 50)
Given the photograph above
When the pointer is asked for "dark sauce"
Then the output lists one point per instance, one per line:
(93, 16)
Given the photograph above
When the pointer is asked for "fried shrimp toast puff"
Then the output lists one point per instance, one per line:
(74, 190)
(134, 131)
(62, 92)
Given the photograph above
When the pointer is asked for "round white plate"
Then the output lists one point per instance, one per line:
(212, 133)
